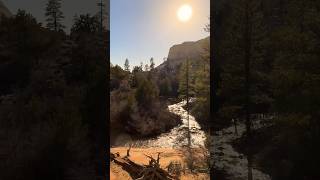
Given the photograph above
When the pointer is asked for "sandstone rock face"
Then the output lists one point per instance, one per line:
(4, 10)
(179, 53)
(186, 49)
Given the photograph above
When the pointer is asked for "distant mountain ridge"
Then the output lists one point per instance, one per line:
(4, 10)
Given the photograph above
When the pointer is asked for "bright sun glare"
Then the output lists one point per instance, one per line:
(184, 13)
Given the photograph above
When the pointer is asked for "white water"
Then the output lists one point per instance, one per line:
(226, 158)
(177, 137)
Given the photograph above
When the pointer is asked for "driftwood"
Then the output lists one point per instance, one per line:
(131, 167)
(128, 151)
(153, 171)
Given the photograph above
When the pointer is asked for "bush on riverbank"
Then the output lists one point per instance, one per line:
(136, 107)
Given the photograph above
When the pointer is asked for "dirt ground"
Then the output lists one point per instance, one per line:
(167, 155)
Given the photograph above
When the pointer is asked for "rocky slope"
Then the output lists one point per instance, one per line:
(4, 10)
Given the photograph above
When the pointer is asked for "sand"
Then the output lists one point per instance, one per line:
(167, 155)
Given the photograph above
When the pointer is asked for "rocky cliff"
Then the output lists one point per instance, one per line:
(4, 10)
(180, 52)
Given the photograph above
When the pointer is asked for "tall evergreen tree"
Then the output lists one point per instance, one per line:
(101, 15)
(186, 85)
(296, 80)
(245, 73)
(54, 15)
(127, 65)
(201, 106)
(152, 64)
(243, 69)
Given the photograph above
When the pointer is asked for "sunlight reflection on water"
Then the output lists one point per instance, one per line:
(177, 137)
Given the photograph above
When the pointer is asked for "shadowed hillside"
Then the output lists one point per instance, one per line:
(4, 10)
(52, 99)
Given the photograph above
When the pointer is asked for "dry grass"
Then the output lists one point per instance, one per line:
(167, 155)
(117, 173)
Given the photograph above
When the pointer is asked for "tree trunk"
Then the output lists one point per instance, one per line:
(247, 58)
(187, 92)
(55, 21)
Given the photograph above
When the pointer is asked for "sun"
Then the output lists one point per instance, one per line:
(184, 13)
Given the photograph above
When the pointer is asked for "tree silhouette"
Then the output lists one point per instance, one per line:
(152, 64)
(146, 67)
(85, 23)
(186, 85)
(54, 15)
(245, 69)
(102, 15)
(126, 65)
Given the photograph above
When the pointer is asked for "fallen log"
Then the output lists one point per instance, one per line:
(131, 167)
(153, 171)
(141, 172)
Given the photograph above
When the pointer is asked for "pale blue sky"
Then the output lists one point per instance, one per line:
(141, 29)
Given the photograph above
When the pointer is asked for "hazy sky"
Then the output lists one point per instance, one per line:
(69, 8)
(141, 29)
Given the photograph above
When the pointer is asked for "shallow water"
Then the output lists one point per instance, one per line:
(226, 158)
(177, 137)
(230, 161)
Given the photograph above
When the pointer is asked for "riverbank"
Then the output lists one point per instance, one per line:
(231, 163)
(269, 152)
(168, 155)
(142, 125)
(176, 137)
(172, 145)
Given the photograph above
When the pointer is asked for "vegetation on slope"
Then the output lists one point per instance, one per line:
(135, 103)
(284, 79)
(52, 105)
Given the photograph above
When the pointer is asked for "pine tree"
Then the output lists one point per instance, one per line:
(152, 64)
(165, 87)
(141, 66)
(243, 71)
(186, 84)
(101, 15)
(146, 93)
(245, 75)
(201, 106)
(127, 65)
(54, 15)
(85, 23)
(146, 67)
(296, 84)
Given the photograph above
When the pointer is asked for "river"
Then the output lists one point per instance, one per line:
(226, 158)
(177, 137)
